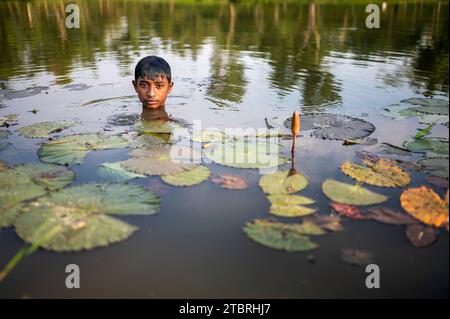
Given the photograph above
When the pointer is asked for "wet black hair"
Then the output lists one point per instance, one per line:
(152, 66)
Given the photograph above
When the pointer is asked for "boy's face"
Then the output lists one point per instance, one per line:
(152, 93)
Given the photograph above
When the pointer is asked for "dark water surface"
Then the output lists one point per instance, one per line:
(233, 64)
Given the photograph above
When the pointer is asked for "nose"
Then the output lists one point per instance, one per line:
(151, 92)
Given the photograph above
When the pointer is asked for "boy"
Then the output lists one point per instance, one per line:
(152, 82)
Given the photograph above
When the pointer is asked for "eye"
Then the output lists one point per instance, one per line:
(159, 86)
(143, 84)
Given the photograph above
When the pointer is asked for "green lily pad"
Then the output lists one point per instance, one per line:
(116, 172)
(432, 146)
(43, 129)
(161, 160)
(289, 237)
(281, 183)
(123, 119)
(188, 178)
(287, 200)
(208, 136)
(334, 126)
(291, 210)
(400, 112)
(78, 215)
(24, 182)
(436, 166)
(72, 149)
(430, 106)
(156, 126)
(148, 141)
(351, 194)
(250, 154)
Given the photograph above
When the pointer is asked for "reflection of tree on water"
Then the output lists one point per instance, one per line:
(294, 37)
(227, 82)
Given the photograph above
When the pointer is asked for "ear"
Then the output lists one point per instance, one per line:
(170, 87)
(134, 84)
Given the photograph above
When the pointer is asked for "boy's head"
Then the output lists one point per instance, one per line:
(152, 81)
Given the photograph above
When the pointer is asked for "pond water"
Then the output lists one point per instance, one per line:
(234, 64)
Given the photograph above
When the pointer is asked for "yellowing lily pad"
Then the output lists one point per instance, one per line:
(116, 172)
(162, 160)
(286, 199)
(291, 210)
(281, 183)
(289, 237)
(250, 154)
(208, 136)
(188, 178)
(383, 173)
(24, 182)
(44, 129)
(72, 149)
(77, 216)
(351, 194)
(425, 205)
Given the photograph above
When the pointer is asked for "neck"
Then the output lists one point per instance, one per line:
(155, 114)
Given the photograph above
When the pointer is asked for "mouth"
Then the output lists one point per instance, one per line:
(151, 102)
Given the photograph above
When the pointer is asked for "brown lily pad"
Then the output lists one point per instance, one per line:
(348, 211)
(229, 181)
(421, 236)
(390, 216)
(356, 257)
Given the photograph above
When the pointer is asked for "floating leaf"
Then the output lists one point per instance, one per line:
(8, 120)
(334, 126)
(25, 182)
(425, 205)
(390, 216)
(360, 141)
(356, 257)
(78, 215)
(367, 156)
(123, 119)
(383, 173)
(162, 160)
(77, 87)
(30, 91)
(437, 167)
(328, 222)
(188, 178)
(434, 147)
(147, 141)
(424, 132)
(421, 236)
(291, 210)
(391, 149)
(72, 149)
(157, 126)
(281, 183)
(426, 102)
(424, 114)
(250, 154)
(348, 211)
(351, 194)
(289, 237)
(288, 200)
(115, 171)
(230, 181)
(208, 136)
(43, 129)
